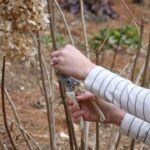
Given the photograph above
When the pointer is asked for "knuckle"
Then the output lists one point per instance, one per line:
(68, 46)
(61, 53)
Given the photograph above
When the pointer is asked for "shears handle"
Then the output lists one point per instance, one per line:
(71, 95)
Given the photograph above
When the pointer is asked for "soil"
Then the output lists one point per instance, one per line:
(23, 87)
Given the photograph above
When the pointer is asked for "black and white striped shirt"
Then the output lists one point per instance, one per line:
(126, 95)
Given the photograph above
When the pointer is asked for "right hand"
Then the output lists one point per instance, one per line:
(112, 113)
(86, 110)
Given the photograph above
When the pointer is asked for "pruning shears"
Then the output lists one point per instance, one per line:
(71, 84)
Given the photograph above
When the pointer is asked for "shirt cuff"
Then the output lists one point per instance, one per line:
(91, 77)
(126, 123)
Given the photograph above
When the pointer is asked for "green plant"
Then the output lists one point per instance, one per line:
(127, 36)
(61, 40)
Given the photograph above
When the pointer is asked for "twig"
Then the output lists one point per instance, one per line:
(23, 130)
(17, 117)
(114, 138)
(134, 67)
(97, 124)
(97, 136)
(37, 75)
(117, 47)
(138, 51)
(52, 29)
(100, 49)
(50, 8)
(85, 130)
(84, 26)
(49, 117)
(83, 44)
(47, 75)
(3, 146)
(132, 145)
(72, 138)
(145, 74)
(56, 99)
(50, 94)
(65, 21)
(134, 19)
(51, 98)
(3, 105)
(146, 65)
(142, 146)
(140, 74)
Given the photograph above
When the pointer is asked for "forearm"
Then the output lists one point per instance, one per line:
(135, 128)
(120, 91)
(129, 125)
(112, 113)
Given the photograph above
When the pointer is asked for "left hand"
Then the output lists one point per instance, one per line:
(71, 62)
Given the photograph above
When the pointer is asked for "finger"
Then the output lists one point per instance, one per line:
(55, 61)
(59, 67)
(55, 54)
(82, 97)
(78, 114)
(74, 108)
(69, 102)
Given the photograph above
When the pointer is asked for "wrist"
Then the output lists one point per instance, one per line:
(88, 70)
(117, 117)
(112, 113)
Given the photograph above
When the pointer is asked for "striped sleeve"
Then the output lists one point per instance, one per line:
(135, 128)
(119, 91)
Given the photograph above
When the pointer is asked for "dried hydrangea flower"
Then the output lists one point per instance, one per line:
(18, 19)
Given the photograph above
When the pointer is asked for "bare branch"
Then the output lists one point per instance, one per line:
(146, 65)
(138, 51)
(26, 132)
(49, 115)
(3, 105)
(65, 21)
(17, 117)
(134, 19)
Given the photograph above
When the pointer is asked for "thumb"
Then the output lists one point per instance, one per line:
(83, 97)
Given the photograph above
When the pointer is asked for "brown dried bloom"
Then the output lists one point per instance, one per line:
(17, 19)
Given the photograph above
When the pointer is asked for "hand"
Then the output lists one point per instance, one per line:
(72, 62)
(112, 113)
(86, 110)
